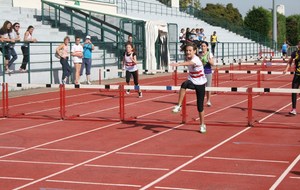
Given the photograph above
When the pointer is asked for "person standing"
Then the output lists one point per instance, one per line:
(15, 34)
(202, 36)
(77, 53)
(5, 34)
(130, 65)
(25, 47)
(284, 50)
(88, 47)
(196, 81)
(63, 52)
(213, 42)
(208, 61)
(295, 56)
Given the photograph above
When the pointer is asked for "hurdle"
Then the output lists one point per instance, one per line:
(121, 115)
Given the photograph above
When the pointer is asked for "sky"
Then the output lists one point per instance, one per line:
(291, 6)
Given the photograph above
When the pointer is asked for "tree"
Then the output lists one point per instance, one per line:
(225, 13)
(259, 20)
(293, 29)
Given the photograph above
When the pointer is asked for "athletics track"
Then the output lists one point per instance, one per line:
(92, 149)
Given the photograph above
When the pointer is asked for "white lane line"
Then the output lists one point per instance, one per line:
(31, 127)
(126, 167)
(160, 155)
(133, 103)
(61, 139)
(284, 174)
(11, 147)
(55, 149)
(228, 173)
(248, 160)
(69, 150)
(270, 115)
(94, 183)
(172, 188)
(194, 159)
(95, 158)
(265, 144)
(295, 177)
(35, 162)
(17, 178)
(47, 100)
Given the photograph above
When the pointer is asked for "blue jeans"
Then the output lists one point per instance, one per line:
(87, 64)
(12, 52)
(65, 67)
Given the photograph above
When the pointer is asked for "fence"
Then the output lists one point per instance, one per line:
(42, 60)
(42, 57)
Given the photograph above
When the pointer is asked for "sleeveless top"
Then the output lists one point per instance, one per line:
(129, 65)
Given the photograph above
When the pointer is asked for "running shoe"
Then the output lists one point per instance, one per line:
(293, 112)
(202, 128)
(127, 91)
(176, 109)
(140, 94)
(88, 82)
(208, 103)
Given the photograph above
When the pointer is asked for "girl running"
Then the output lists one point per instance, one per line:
(208, 61)
(296, 80)
(196, 80)
(130, 65)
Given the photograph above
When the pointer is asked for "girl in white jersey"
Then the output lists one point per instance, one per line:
(130, 65)
(196, 80)
(77, 53)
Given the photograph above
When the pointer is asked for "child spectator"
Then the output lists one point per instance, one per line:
(76, 52)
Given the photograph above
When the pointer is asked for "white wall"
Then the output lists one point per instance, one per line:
(36, 4)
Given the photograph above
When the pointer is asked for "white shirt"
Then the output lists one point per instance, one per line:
(196, 72)
(77, 48)
(129, 65)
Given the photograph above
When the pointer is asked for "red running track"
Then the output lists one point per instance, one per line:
(76, 154)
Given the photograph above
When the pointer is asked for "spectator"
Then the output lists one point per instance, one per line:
(202, 36)
(187, 34)
(193, 36)
(63, 52)
(129, 39)
(5, 33)
(182, 39)
(284, 50)
(213, 42)
(76, 52)
(25, 47)
(182, 36)
(15, 34)
(88, 47)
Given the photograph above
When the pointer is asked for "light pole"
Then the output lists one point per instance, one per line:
(274, 23)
